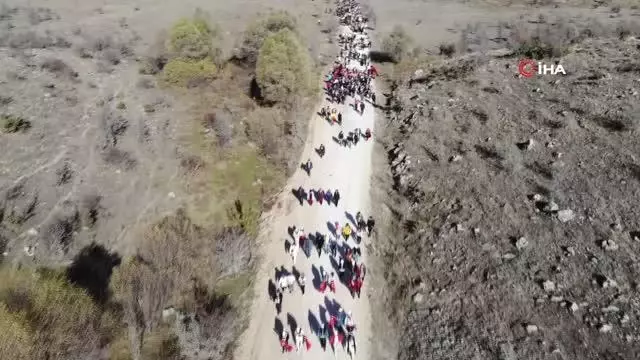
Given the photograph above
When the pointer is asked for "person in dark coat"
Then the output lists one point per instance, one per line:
(336, 197)
(370, 224)
(320, 243)
(361, 107)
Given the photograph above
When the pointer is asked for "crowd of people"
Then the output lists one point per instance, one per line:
(350, 77)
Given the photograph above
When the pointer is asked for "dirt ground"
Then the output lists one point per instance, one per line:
(512, 223)
(104, 151)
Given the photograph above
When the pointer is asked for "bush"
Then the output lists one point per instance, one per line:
(187, 72)
(192, 39)
(14, 124)
(173, 253)
(260, 29)
(16, 340)
(55, 318)
(397, 43)
(283, 70)
(535, 48)
(447, 49)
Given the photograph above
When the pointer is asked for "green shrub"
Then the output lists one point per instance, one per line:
(62, 321)
(283, 70)
(184, 72)
(192, 38)
(260, 29)
(13, 124)
(536, 48)
(397, 43)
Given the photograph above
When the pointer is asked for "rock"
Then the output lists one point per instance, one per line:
(556, 299)
(418, 298)
(171, 195)
(573, 307)
(609, 283)
(616, 227)
(531, 329)
(32, 232)
(566, 215)
(537, 197)
(522, 243)
(548, 285)
(418, 73)
(625, 319)
(609, 245)
(168, 312)
(570, 251)
(610, 308)
(550, 207)
(509, 256)
(455, 158)
(605, 328)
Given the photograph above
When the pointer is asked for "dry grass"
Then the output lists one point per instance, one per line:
(50, 318)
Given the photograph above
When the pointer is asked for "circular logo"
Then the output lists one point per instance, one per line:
(527, 67)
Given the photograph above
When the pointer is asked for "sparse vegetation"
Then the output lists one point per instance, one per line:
(58, 67)
(283, 70)
(397, 43)
(447, 49)
(189, 72)
(14, 124)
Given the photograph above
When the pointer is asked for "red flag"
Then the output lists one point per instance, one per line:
(323, 286)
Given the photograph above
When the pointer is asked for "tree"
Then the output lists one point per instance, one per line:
(260, 29)
(283, 70)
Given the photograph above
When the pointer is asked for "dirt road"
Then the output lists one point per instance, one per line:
(349, 171)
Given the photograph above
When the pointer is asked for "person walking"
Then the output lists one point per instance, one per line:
(328, 196)
(333, 246)
(370, 224)
(302, 281)
(320, 244)
(332, 282)
(299, 338)
(361, 107)
(323, 335)
(293, 251)
(284, 342)
(341, 268)
(336, 197)
(323, 281)
(346, 232)
(279, 297)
